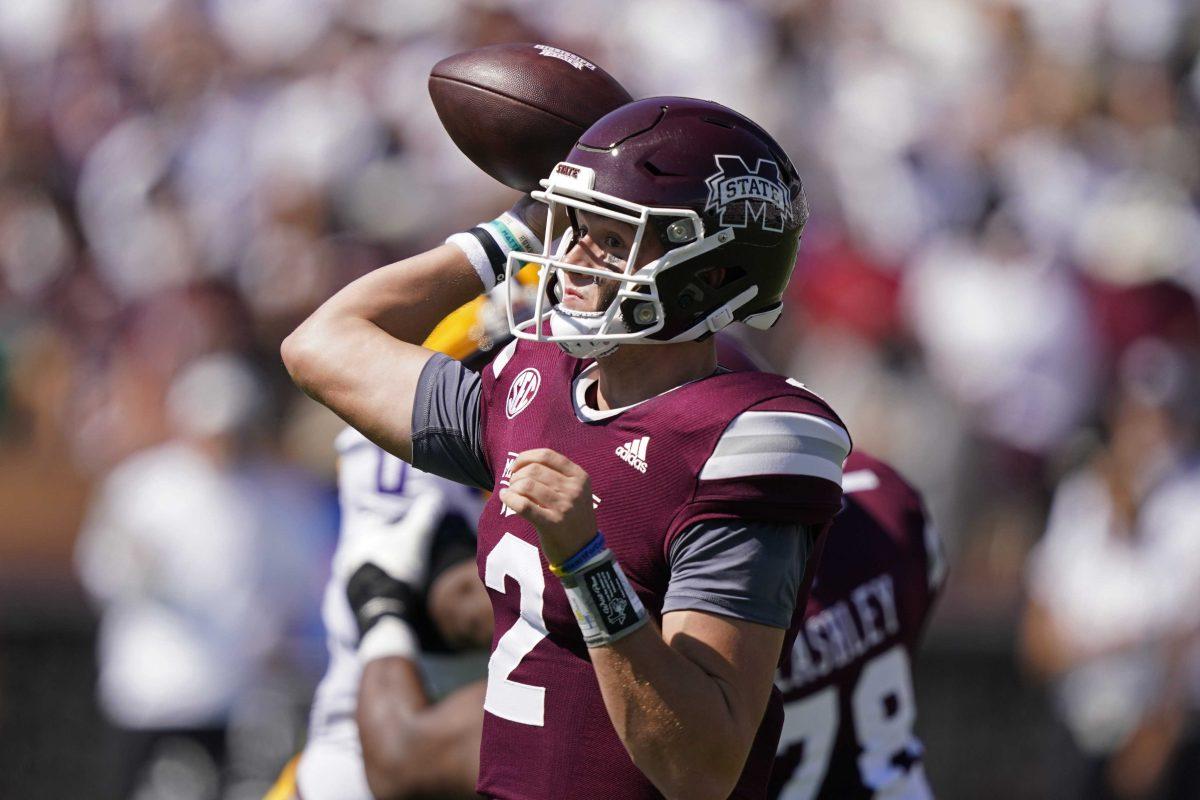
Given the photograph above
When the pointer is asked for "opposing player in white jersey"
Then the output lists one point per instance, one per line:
(399, 526)
(403, 601)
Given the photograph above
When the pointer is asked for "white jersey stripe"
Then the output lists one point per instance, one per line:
(780, 443)
(787, 423)
(861, 480)
(809, 445)
(745, 465)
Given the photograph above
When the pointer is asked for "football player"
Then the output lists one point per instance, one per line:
(849, 702)
(407, 538)
(403, 594)
(849, 713)
(654, 517)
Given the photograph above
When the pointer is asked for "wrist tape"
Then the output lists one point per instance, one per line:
(605, 605)
(388, 637)
(488, 244)
(383, 610)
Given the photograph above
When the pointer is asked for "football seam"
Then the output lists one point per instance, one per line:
(508, 97)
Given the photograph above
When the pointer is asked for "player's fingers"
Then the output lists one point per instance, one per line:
(544, 494)
(529, 510)
(544, 456)
(569, 486)
(565, 492)
(537, 471)
(550, 458)
(517, 502)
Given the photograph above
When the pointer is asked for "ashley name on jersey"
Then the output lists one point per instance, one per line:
(840, 634)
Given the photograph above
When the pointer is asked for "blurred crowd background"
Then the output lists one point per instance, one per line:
(998, 291)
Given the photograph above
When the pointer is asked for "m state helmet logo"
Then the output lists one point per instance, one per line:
(760, 188)
(524, 388)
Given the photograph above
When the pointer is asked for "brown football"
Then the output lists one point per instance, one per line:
(517, 109)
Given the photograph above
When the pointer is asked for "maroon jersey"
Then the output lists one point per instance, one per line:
(849, 712)
(731, 446)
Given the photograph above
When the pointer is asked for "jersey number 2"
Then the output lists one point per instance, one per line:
(512, 700)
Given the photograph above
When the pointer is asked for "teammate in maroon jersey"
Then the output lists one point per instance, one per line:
(654, 516)
(848, 731)
(848, 727)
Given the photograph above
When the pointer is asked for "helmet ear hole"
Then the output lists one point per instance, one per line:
(691, 297)
(723, 276)
(713, 277)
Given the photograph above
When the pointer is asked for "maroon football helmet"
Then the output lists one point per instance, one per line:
(716, 190)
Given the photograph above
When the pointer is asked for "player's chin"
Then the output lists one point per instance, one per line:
(579, 303)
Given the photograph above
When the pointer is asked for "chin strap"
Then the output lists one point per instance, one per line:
(564, 322)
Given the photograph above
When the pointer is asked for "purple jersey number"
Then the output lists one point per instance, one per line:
(390, 473)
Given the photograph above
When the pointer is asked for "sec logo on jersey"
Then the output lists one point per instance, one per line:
(524, 388)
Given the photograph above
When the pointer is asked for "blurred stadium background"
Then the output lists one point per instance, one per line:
(998, 291)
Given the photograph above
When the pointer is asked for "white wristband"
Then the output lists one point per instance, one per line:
(389, 636)
(606, 607)
(514, 226)
(477, 256)
(488, 244)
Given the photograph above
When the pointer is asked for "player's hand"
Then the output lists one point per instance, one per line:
(533, 213)
(555, 495)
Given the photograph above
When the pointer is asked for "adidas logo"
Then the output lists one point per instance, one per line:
(634, 453)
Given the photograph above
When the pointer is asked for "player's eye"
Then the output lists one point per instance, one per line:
(613, 242)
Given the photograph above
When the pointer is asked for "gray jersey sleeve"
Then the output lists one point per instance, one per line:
(446, 435)
(744, 569)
